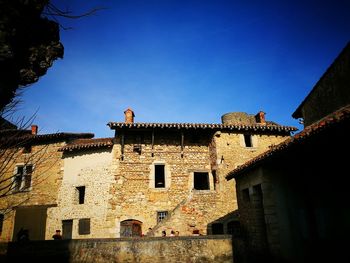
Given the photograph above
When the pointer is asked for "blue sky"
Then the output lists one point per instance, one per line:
(186, 61)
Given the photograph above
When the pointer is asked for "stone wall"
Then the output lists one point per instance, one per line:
(216, 249)
(135, 197)
(330, 93)
(46, 180)
(91, 169)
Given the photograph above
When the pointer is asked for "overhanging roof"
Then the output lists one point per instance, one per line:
(324, 124)
(208, 126)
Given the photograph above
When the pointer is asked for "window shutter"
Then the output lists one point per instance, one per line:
(84, 226)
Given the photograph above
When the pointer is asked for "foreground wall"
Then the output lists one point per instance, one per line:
(169, 249)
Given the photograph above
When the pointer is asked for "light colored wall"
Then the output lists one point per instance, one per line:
(91, 169)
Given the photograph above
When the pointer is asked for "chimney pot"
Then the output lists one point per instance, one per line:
(129, 116)
(34, 129)
(260, 117)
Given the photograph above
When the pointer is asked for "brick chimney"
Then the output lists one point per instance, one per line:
(34, 129)
(260, 117)
(129, 116)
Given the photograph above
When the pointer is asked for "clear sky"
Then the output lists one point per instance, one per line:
(186, 61)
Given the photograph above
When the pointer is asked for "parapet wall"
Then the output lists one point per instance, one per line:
(155, 250)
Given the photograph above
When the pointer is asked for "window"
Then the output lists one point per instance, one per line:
(159, 176)
(201, 181)
(217, 229)
(23, 177)
(1, 222)
(161, 215)
(248, 140)
(84, 226)
(81, 194)
(27, 149)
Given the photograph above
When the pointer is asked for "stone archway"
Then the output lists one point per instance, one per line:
(130, 228)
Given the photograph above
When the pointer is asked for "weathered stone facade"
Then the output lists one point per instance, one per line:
(37, 193)
(159, 176)
(90, 170)
(216, 249)
(184, 152)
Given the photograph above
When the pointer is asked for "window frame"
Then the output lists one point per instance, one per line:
(161, 215)
(201, 183)
(20, 180)
(84, 226)
(152, 176)
(211, 182)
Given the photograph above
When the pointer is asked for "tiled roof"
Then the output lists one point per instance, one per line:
(15, 138)
(255, 127)
(327, 122)
(62, 135)
(87, 144)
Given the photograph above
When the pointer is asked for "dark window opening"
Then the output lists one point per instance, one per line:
(1, 222)
(248, 140)
(84, 226)
(159, 176)
(161, 215)
(137, 148)
(234, 228)
(27, 149)
(215, 178)
(201, 181)
(217, 229)
(245, 195)
(81, 194)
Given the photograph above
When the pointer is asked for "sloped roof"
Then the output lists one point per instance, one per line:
(16, 138)
(80, 144)
(327, 122)
(213, 126)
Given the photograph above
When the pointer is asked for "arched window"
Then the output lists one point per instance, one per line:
(130, 228)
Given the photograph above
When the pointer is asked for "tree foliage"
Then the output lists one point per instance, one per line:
(29, 43)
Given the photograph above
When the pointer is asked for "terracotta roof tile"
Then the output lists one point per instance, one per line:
(80, 144)
(330, 120)
(212, 126)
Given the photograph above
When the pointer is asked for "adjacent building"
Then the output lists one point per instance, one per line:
(292, 198)
(30, 177)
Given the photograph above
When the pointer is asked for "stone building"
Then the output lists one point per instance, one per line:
(292, 198)
(164, 176)
(171, 176)
(83, 196)
(30, 174)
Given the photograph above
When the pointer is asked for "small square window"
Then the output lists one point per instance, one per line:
(84, 226)
(27, 149)
(161, 215)
(201, 181)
